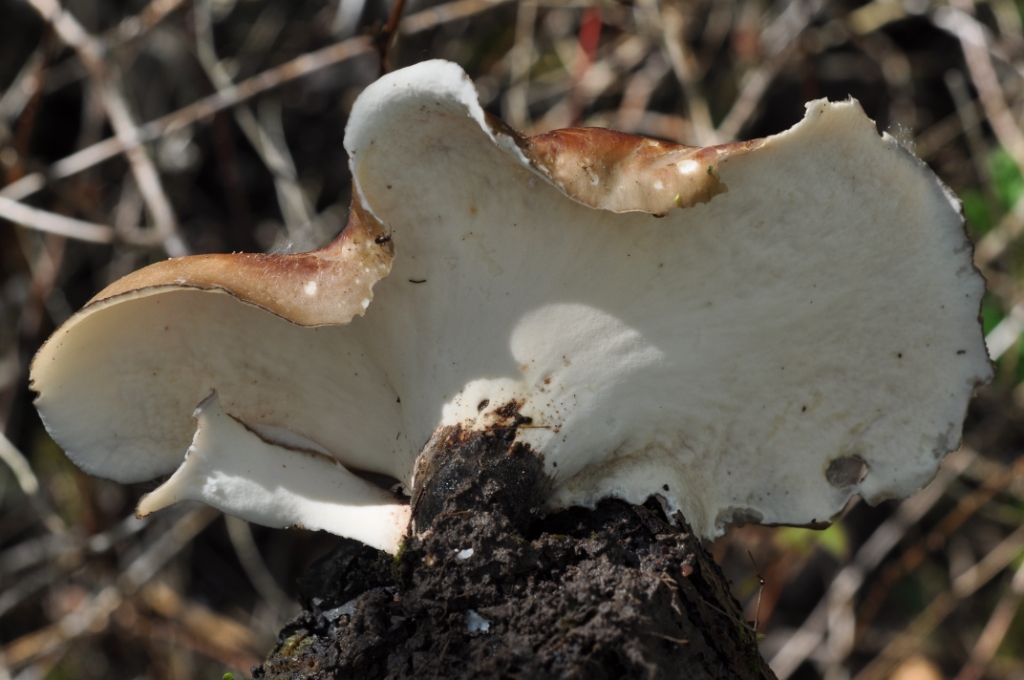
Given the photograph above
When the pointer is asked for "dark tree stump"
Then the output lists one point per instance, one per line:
(489, 591)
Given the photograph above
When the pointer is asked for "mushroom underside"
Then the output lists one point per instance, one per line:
(803, 331)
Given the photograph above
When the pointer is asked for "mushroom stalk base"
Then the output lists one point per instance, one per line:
(485, 590)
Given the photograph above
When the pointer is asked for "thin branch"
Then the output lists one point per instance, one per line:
(93, 54)
(916, 554)
(256, 569)
(780, 40)
(636, 95)
(41, 220)
(29, 483)
(387, 36)
(206, 107)
(432, 17)
(135, 26)
(515, 109)
(942, 606)
(25, 85)
(995, 630)
(983, 74)
(684, 66)
(849, 580)
(229, 97)
(1006, 333)
(56, 636)
(297, 211)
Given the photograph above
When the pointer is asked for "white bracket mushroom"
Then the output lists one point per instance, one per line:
(801, 325)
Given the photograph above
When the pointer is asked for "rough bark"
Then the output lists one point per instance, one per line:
(487, 590)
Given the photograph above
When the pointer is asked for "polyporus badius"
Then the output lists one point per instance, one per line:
(799, 327)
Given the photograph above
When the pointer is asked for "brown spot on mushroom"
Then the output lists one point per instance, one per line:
(510, 412)
(846, 471)
(623, 173)
(741, 516)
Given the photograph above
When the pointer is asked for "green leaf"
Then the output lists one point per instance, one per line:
(1006, 178)
(991, 312)
(977, 211)
(833, 540)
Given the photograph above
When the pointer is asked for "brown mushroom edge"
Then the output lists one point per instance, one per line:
(620, 172)
(323, 287)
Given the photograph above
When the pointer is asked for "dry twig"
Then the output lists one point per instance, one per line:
(93, 54)
(995, 630)
(851, 577)
(52, 223)
(942, 606)
(206, 107)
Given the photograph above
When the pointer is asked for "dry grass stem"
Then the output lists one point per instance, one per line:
(995, 630)
(907, 642)
(41, 220)
(847, 583)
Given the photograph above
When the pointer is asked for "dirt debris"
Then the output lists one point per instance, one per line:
(614, 592)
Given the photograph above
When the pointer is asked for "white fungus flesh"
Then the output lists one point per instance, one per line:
(242, 473)
(798, 324)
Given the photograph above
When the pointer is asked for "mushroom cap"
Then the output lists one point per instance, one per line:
(799, 326)
(118, 382)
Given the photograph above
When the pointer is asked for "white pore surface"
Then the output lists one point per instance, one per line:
(722, 357)
(119, 382)
(236, 471)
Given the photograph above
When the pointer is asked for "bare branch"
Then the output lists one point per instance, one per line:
(41, 220)
(93, 54)
(188, 115)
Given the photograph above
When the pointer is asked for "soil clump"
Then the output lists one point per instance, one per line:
(491, 591)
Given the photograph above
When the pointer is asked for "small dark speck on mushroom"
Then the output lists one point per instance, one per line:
(665, 487)
(389, 186)
(417, 280)
(803, 409)
(482, 405)
(398, 400)
(961, 351)
(846, 471)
